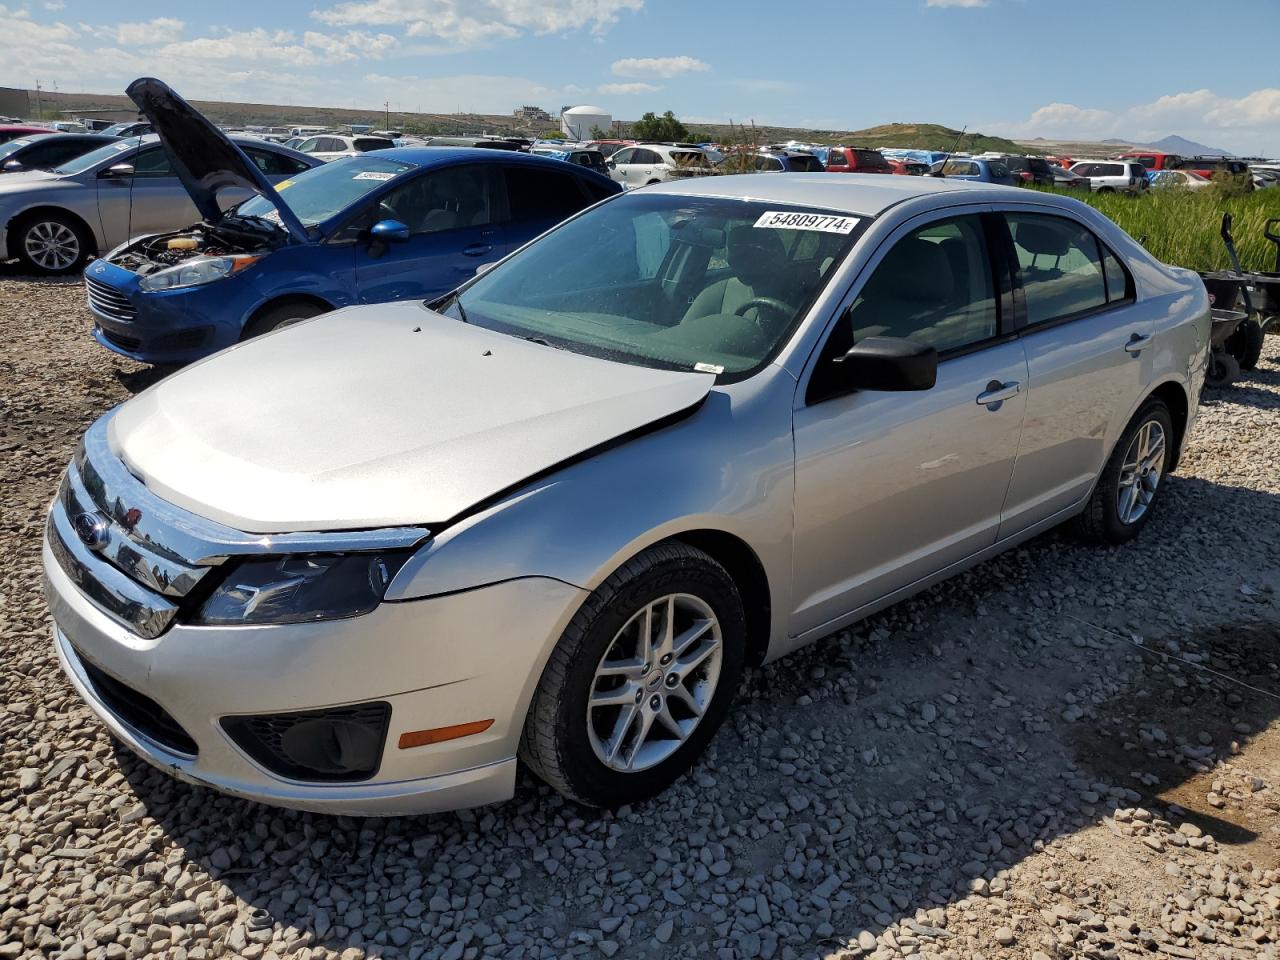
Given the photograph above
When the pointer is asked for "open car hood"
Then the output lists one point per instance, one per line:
(203, 157)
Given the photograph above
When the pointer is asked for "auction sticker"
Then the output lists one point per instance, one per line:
(822, 222)
(373, 175)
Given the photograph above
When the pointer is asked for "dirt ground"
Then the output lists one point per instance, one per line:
(1065, 752)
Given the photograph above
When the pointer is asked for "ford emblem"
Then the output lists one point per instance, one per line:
(92, 529)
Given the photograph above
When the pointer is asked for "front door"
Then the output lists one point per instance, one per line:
(892, 487)
(1089, 352)
(452, 231)
(153, 200)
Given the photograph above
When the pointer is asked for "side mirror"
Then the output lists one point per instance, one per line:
(117, 171)
(389, 231)
(611, 165)
(888, 363)
(13, 166)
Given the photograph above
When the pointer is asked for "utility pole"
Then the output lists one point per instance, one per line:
(38, 109)
(387, 105)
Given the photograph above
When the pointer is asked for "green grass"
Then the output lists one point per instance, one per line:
(1182, 227)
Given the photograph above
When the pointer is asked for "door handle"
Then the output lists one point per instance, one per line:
(998, 392)
(1137, 343)
(476, 249)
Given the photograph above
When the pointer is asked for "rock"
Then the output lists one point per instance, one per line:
(1004, 936)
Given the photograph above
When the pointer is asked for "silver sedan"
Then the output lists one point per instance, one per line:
(53, 221)
(371, 563)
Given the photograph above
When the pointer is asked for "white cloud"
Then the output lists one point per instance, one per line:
(473, 23)
(957, 3)
(469, 92)
(55, 5)
(657, 66)
(1249, 124)
(626, 89)
(160, 30)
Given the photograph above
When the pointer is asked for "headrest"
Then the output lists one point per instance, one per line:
(754, 252)
(1041, 239)
(917, 270)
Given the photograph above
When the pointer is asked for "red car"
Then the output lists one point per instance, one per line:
(1208, 166)
(856, 160)
(1154, 160)
(907, 168)
(13, 131)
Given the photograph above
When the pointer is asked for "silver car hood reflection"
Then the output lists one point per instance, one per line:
(379, 416)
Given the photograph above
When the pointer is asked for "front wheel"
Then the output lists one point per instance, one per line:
(281, 315)
(1127, 489)
(640, 681)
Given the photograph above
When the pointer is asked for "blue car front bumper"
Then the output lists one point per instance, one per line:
(171, 326)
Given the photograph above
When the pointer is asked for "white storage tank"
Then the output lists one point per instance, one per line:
(578, 122)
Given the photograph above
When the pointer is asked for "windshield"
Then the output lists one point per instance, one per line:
(679, 282)
(87, 161)
(13, 146)
(318, 194)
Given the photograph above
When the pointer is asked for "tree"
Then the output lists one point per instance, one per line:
(665, 127)
(551, 135)
(598, 134)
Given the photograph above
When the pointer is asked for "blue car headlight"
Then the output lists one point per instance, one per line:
(301, 589)
(196, 271)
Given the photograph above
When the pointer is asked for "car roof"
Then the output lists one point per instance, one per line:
(429, 156)
(869, 194)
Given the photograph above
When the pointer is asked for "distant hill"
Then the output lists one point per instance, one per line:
(1186, 148)
(930, 136)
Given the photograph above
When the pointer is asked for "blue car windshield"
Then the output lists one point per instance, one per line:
(677, 282)
(321, 192)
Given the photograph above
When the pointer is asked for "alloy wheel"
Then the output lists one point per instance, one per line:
(52, 245)
(654, 683)
(1140, 472)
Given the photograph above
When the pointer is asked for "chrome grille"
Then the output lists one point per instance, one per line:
(109, 301)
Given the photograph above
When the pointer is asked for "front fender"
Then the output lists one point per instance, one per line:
(729, 467)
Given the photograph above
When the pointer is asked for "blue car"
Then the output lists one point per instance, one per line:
(384, 225)
(975, 168)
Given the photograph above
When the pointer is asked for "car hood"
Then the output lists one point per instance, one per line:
(21, 180)
(204, 158)
(379, 416)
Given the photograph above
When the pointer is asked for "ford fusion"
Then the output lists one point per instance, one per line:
(548, 518)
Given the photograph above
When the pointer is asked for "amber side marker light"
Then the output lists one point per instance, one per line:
(420, 738)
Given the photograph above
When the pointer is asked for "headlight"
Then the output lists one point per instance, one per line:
(193, 272)
(301, 589)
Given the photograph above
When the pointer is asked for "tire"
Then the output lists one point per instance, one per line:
(1106, 189)
(567, 746)
(1246, 344)
(52, 244)
(1223, 370)
(281, 315)
(1109, 517)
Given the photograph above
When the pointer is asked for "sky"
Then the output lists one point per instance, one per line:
(1026, 68)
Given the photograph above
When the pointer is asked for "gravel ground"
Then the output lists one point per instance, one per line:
(1046, 757)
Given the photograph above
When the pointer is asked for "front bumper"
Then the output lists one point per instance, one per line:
(170, 326)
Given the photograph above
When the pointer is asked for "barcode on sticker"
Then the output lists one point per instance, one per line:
(823, 223)
(373, 175)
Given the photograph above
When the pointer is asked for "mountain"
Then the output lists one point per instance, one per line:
(1186, 148)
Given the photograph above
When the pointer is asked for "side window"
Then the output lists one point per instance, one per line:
(647, 156)
(624, 155)
(152, 163)
(540, 194)
(444, 200)
(1119, 282)
(274, 164)
(934, 286)
(1061, 271)
(653, 239)
(836, 158)
(773, 164)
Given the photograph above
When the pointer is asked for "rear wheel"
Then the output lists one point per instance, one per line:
(52, 244)
(282, 315)
(1246, 344)
(640, 681)
(1223, 369)
(1126, 492)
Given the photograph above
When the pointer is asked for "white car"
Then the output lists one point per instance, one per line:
(331, 146)
(1113, 176)
(648, 163)
(1265, 177)
(1185, 179)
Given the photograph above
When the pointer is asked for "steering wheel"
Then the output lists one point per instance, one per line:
(783, 310)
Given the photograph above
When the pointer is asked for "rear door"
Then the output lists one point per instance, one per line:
(453, 228)
(1089, 356)
(536, 199)
(893, 487)
(153, 200)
